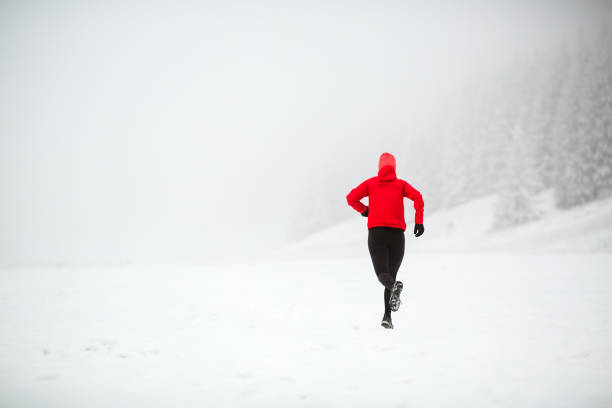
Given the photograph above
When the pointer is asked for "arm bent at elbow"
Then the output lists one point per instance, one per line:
(354, 198)
(413, 194)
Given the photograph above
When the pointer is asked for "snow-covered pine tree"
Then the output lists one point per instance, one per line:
(566, 162)
(602, 126)
(583, 152)
(515, 205)
(557, 69)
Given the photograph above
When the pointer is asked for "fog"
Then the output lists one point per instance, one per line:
(200, 131)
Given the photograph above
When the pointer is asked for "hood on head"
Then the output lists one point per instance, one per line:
(387, 173)
(385, 160)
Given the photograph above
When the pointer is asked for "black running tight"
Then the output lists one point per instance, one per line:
(386, 245)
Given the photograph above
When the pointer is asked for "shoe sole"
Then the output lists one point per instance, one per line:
(387, 325)
(394, 301)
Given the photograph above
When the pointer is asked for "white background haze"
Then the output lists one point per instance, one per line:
(198, 131)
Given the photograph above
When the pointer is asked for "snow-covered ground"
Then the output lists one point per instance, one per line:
(521, 319)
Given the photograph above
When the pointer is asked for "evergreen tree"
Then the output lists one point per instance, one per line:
(515, 205)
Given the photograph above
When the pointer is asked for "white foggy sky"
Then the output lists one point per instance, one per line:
(179, 131)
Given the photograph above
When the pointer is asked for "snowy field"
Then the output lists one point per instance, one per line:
(174, 230)
(477, 327)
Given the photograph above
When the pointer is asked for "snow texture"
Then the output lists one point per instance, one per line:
(205, 149)
(477, 328)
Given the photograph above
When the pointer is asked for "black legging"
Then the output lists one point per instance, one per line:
(386, 245)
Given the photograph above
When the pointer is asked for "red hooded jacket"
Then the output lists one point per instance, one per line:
(386, 199)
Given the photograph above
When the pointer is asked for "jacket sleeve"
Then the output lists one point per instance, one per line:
(413, 194)
(353, 198)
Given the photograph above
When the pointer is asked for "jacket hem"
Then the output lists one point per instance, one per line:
(401, 227)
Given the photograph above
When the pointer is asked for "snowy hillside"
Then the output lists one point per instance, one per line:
(467, 228)
(475, 329)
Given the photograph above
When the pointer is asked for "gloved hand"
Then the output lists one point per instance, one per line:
(365, 213)
(419, 229)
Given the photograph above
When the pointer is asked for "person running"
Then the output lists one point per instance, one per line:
(386, 226)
